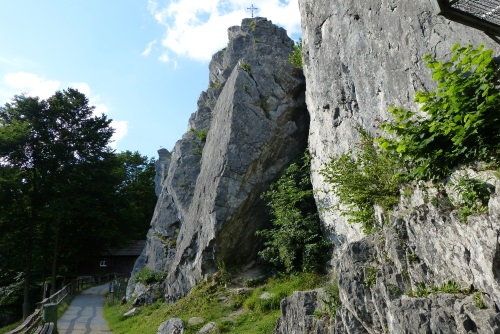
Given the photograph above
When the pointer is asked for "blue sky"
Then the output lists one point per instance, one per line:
(143, 63)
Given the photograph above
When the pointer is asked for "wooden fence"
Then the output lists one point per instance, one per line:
(58, 298)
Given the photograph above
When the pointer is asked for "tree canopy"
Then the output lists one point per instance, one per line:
(64, 193)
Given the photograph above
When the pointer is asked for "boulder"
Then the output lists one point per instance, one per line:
(171, 326)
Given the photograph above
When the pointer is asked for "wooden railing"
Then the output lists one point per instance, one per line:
(58, 298)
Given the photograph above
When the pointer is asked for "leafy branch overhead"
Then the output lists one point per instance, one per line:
(460, 120)
(458, 123)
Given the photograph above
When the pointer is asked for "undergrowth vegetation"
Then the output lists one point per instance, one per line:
(473, 195)
(459, 122)
(295, 58)
(234, 309)
(148, 276)
(362, 180)
(295, 242)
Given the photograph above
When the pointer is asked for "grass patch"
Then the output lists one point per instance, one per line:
(232, 312)
(9, 327)
(64, 306)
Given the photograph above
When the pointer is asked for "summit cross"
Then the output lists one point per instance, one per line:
(252, 8)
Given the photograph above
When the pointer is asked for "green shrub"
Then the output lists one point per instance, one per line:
(460, 121)
(478, 297)
(369, 178)
(200, 134)
(148, 276)
(295, 242)
(473, 195)
(370, 277)
(422, 290)
(245, 67)
(295, 58)
(215, 86)
(332, 301)
(449, 287)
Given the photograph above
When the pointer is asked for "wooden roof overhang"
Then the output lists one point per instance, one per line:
(480, 14)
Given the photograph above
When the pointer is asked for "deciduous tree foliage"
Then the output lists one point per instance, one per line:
(295, 242)
(47, 149)
(136, 193)
(459, 122)
(64, 194)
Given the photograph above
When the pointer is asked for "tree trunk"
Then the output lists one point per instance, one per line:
(29, 248)
(55, 259)
(27, 275)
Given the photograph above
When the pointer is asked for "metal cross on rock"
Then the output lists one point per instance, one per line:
(252, 8)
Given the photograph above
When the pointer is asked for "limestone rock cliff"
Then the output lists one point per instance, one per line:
(250, 123)
(360, 57)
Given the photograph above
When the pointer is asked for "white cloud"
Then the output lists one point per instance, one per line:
(121, 130)
(197, 29)
(33, 85)
(82, 87)
(148, 49)
(164, 58)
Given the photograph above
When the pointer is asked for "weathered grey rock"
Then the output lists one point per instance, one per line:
(360, 57)
(146, 294)
(171, 326)
(258, 124)
(161, 168)
(208, 328)
(422, 245)
(250, 123)
(132, 312)
(301, 314)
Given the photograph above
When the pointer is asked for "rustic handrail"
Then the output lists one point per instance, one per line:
(60, 296)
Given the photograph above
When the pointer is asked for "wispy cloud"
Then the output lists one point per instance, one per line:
(148, 49)
(197, 29)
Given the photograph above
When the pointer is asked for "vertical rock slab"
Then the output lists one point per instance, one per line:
(258, 126)
(250, 124)
(360, 57)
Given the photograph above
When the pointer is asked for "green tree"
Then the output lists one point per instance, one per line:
(136, 192)
(295, 242)
(295, 58)
(46, 143)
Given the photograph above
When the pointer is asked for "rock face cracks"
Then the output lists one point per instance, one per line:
(250, 123)
(360, 57)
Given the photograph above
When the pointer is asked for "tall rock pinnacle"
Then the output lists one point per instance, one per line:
(250, 123)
